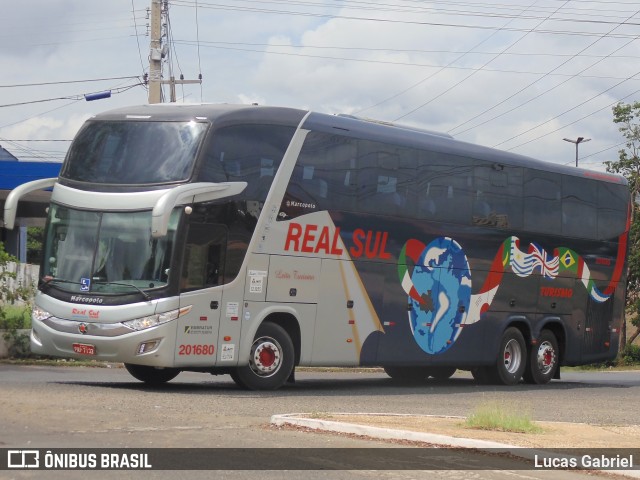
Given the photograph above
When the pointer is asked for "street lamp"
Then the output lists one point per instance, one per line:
(577, 141)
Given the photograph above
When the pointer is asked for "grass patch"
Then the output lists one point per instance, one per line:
(59, 362)
(499, 417)
(320, 416)
(15, 317)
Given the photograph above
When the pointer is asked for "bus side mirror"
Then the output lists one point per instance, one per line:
(11, 203)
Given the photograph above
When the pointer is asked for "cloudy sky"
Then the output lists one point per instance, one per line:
(518, 75)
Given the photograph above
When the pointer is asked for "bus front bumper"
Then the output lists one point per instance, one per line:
(154, 346)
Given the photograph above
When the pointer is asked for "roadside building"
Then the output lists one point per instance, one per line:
(32, 209)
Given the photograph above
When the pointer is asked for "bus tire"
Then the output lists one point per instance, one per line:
(512, 359)
(543, 359)
(151, 375)
(408, 374)
(271, 360)
(441, 373)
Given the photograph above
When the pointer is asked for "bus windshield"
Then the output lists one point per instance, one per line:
(111, 252)
(134, 152)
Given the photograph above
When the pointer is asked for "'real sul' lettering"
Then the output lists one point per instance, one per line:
(314, 239)
(371, 244)
(310, 240)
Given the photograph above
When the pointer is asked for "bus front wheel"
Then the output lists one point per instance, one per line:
(151, 375)
(271, 360)
(543, 359)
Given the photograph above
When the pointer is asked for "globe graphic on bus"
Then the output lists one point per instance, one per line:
(442, 278)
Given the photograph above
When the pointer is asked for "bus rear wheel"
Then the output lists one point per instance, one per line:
(543, 359)
(151, 375)
(511, 360)
(271, 360)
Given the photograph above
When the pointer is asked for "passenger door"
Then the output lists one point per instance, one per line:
(201, 282)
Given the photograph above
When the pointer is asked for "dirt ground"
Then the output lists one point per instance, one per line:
(553, 435)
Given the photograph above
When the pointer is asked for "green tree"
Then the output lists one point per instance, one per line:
(627, 117)
(35, 237)
(8, 293)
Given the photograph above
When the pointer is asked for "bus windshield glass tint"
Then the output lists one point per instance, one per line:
(134, 153)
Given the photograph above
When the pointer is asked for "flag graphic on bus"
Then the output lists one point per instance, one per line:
(439, 285)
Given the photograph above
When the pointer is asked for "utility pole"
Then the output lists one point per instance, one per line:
(157, 52)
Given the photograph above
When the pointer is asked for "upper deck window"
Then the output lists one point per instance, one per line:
(134, 152)
(246, 153)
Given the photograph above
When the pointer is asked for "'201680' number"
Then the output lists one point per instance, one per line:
(196, 350)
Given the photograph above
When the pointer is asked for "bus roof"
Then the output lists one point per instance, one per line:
(442, 143)
(222, 114)
(217, 114)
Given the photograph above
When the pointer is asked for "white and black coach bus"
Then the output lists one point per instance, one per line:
(248, 240)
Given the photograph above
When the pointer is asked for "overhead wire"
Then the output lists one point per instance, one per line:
(213, 43)
(388, 62)
(39, 84)
(493, 107)
(513, 44)
(393, 21)
(566, 111)
(491, 12)
(425, 79)
(198, 40)
(576, 121)
(135, 25)
(72, 97)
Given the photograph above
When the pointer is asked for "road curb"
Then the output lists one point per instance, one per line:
(299, 419)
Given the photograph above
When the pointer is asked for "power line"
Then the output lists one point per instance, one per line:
(135, 25)
(198, 39)
(385, 8)
(387, 62)
(72, 97)
(535, 82)
(39, 114)
(392, 21)
(566, 111)
(575, 121)
(213, 43)
(67, 81)
(482, 67)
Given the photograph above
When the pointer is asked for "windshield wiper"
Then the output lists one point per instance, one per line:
(122, 284)
(48, 281)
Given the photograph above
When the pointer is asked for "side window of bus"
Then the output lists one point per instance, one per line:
(444, 187)
(325, 173)
(246, 153)
(613, 203)
(204, 256)
(542, 205)
(579, 214)
(497, 195)
(385, 178)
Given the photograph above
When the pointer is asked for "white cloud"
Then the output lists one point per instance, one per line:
(248, 55)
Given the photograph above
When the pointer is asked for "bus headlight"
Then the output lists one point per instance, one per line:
(39, 314)
(149, 321)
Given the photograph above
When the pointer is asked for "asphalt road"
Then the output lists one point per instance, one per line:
(58, 407)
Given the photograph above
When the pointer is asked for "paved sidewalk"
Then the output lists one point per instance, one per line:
(449, 431)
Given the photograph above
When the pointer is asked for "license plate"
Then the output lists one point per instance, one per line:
(84, 349)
